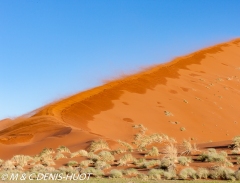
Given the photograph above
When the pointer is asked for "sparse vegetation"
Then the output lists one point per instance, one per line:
(106, 156)
(153, 152)
(126, 145)
(188, 148)
(125, 159)
(98, 145)
(63, 149)
(114, 173)
(188, 173)
(72, 163)
(164, 164)
(184, 160)
(202, 173)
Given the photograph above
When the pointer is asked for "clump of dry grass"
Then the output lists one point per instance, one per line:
(72, 163)
(102, 165)
(46, 151)
(126, 158)
(93, 156)
(98, 145)
(131, 172)
(85, 163)
(211, 155)
(8, 165)
(21, 160)
(114, 173)
(151, 164)
(155, 174)
(59, 156)
(153, 152)
(118, 151)
(188, 148)
(171, 152)
(79, 153)
(106, 156)
(188, 173)
(95, 172)
(236, 142)
(63, 149)
(222, 173)
(202, 173)
(126, 145)
(184, 160)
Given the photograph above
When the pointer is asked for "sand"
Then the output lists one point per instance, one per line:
(192, 97)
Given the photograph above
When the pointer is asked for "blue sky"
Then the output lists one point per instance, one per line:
(52, 49)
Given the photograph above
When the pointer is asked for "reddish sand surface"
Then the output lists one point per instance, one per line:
(200, 91)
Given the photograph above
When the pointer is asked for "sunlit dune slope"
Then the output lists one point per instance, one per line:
(196, 96)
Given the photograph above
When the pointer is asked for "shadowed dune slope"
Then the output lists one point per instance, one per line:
(195, 96)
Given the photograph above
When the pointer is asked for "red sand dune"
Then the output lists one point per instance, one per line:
(200, 90)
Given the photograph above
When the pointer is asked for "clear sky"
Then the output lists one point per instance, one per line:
(50, 49)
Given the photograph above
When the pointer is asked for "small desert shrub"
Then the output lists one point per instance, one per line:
(139, 162)
(38, 168)
(238, 160)
(67, 170)
(188, 148)
(125, 159)
(93, 156)
(83, 153)
(130, 172)
(59, 156)
(21, 160)
(95, 172)
(114, 173)
(37, 158)
(153, 152)
(236, 141)
(46, 151)
(151, 163)
(169, 175)
(8, 165)
(237, 174)
(19, 167)
(236, 151)
(142, 176)
(63, 149)
(202, 173)
(85, 163)
(46, 157)
(79, 153)
(98, 145)
(106, 156)
(212, 156)
(222, 173)
(75, 154)
(155, 174)
(165, 163)
(184, 160)
(49, 162)
(118, 151)
(187, 173)
(72, 163)
(127, 146)
(170, 152)
(142, 128)
(102, 165)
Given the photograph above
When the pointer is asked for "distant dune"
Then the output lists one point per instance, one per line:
(192, 97)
